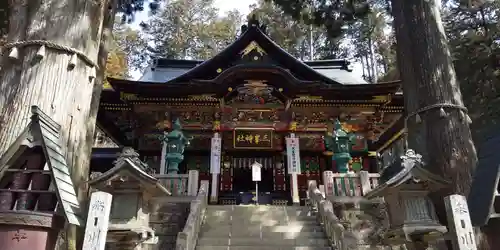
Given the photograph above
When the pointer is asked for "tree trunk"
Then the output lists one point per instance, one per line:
(65, 95)
(104, 45)
(373, 64)
(429, 78)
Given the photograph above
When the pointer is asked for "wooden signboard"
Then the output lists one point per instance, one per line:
(256, 173)
(252, 138)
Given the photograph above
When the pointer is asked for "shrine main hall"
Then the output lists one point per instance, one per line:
(251, 103)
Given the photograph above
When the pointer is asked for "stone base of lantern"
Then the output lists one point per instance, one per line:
(365, 220)
(411, 232)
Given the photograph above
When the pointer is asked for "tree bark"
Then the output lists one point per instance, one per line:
(429, 78)
(65, 95)
(102, 56)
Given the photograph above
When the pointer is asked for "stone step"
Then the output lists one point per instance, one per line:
(260, 217)
(275, 235)
(261, 227)
(246, 214)
(235, 230)
(291, 227)
(268, 222)
(261, 248)
(254, 208)
(257, 241)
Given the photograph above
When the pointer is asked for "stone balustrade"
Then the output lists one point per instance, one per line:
(177, 184)
(350, 222)
(324, 212)
(349, 184)
(187, 239)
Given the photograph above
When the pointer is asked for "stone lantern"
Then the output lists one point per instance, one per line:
(339, 142)
(405, 188)
(176, 143)
(133, 190)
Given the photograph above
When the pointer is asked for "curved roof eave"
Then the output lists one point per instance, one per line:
(239, 68)
(253, 33)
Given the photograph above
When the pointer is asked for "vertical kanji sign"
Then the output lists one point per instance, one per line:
(97, 221)
(459, 223)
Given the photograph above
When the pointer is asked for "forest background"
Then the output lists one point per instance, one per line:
(194, 29)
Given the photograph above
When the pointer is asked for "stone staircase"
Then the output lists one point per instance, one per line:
(260, 227)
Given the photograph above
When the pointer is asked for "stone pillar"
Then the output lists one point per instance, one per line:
(193, 180)
(295, 189)
(293, 157)
(328, 182)
(214, 188)
(215, 161)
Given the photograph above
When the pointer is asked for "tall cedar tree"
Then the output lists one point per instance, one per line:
(66, 95)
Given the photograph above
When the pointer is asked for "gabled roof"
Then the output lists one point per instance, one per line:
(337, 70)
(409, 168)
(129, 162)
(163, 70)
(484, 190)
(231, 54)
(253, 37)
(43, 132)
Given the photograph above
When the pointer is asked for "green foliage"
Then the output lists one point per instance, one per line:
(295, 36)
(191, 29)
(132, 44)
(335, 16)
(127, 8)
(473, 34)
(353, 22)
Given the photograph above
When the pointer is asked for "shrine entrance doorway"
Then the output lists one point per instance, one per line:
(242, 174)
(244, 188)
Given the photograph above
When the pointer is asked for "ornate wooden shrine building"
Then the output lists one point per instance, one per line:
(254, 95)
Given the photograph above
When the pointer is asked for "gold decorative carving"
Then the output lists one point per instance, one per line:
(203, 97)
(253, 46)
(128, 96)
(381, 98)
(309, 97)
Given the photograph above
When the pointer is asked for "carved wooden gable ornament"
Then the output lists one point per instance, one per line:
(35, 166)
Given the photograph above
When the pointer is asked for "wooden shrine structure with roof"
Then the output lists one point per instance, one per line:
(254, 95)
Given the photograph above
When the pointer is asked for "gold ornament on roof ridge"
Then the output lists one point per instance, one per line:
(253, 46)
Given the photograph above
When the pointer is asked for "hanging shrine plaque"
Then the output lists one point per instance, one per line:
(253, 138)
